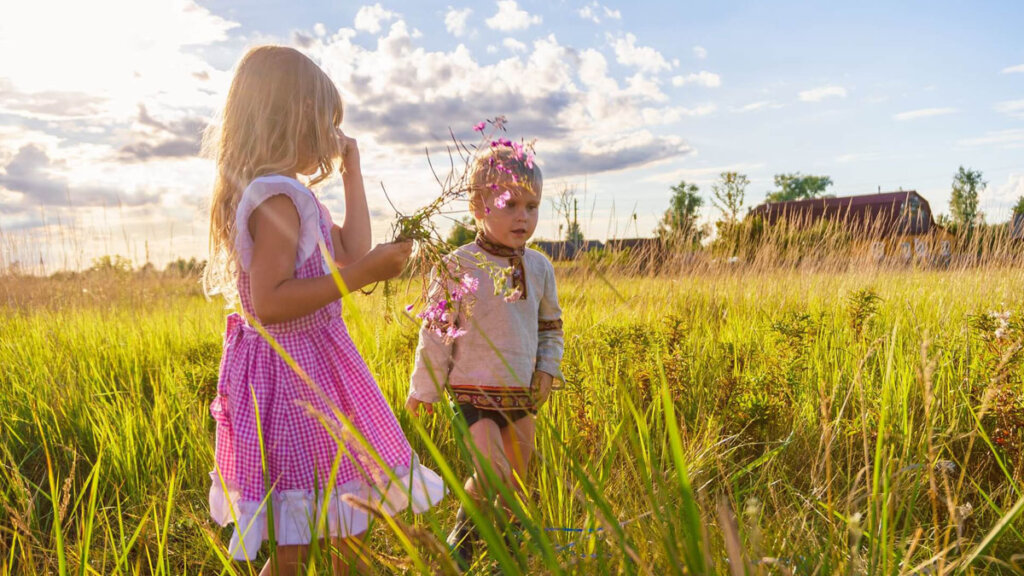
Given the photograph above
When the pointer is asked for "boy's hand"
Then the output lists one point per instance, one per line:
(542, 382)
(413, 406)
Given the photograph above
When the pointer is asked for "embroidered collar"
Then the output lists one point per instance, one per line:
(515, 260)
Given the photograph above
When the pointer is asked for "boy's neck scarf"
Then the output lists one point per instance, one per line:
(515, 260)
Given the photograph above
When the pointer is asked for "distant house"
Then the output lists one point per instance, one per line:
(1017, 227)
(634, 245)
(890, 225)
(563, 250)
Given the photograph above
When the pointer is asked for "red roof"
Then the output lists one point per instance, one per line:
(904, 211)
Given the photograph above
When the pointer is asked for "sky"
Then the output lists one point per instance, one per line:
(103, 105)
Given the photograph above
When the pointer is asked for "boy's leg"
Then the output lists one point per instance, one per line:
(518, 441)
(487, 447)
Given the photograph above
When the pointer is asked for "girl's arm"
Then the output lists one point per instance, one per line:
(277, 296)
(352, 239)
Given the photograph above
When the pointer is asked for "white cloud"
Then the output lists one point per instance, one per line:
(999, 199)
(513, 45)
(923, 113)
(759, 105)
(149, 50)
(509, 17)
(405, 98)
(820, 93)
(699, 52)
(702, 78)
(613, 14)
(594, 12)
(455, 21)
(856, 157)
(644, 58)
(369, 18)
(587, 13)
(1013, 138)
(1013, 69)
(644, 87)
(704, 175)
(1013, 108)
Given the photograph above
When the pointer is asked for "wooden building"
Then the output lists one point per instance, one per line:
(564, 250)
(890, 226)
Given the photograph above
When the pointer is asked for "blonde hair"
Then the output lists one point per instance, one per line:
(500, 168)
(281, 110)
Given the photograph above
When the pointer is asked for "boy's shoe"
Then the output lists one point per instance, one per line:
(461, 540)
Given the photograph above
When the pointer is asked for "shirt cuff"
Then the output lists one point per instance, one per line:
(553, 368)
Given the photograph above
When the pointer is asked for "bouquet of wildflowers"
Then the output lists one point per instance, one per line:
(449, 284)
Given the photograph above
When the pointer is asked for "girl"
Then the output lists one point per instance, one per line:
(292, 440)
(500, 371)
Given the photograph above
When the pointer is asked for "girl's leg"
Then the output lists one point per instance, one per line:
(289, 561)
(346, 556)
(518, 441)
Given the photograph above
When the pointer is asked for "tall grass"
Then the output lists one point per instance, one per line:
(741, 420)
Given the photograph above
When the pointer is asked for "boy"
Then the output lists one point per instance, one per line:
(500, 371)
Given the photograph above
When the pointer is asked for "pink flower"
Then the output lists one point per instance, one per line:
(501, 199)
(515, 295)
(529, 161)
(453, 332)
(518, 149)
(480, 127)
(409, 308)
(469, 283)
(499, 122)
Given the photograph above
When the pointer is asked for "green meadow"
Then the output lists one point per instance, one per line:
(734, 421)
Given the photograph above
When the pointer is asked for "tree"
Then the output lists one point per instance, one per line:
(1019, 207)
(680, 220)
(567, 206)
(963, 203)
(463, 232)
(796, 186)
(729, 193)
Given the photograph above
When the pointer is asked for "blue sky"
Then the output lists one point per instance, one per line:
(100, 116)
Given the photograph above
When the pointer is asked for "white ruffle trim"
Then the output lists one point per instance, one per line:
(297, 512)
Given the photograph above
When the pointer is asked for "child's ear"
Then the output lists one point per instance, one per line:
(479, 209)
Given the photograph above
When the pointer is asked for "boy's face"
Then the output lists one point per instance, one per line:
(514, 224)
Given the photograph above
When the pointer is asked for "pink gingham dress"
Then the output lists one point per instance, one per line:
(260, 395)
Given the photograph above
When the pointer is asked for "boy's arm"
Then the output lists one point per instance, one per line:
(550, 339)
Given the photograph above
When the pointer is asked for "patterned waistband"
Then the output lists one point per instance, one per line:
(493, 397)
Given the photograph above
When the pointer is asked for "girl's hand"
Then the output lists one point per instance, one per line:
(387, 260)
(413, 406)
(542, 382)
(348, 149)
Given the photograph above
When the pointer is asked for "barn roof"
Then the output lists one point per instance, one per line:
(904, 212)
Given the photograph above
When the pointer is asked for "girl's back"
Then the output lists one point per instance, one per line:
(300, 419)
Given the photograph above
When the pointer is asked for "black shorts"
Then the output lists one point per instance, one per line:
(502, 418)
